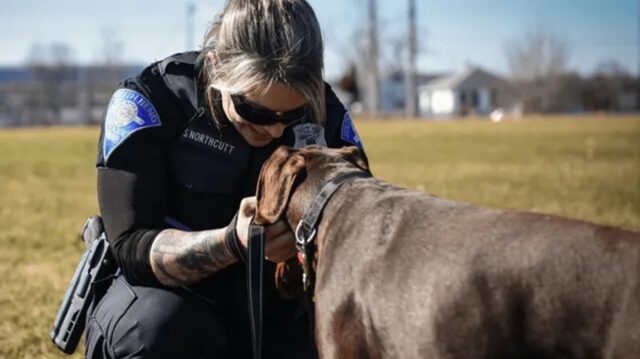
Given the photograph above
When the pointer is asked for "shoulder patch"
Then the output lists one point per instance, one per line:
(349, 133)
(128, 113)
(309, 134)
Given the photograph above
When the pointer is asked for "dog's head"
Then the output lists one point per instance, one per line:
(306, 169)
(303, 171)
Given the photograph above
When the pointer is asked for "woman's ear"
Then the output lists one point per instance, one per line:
(275, 183)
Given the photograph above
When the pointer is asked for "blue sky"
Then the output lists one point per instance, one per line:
(453, 32)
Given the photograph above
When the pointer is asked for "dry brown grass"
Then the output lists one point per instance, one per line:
(587, 168)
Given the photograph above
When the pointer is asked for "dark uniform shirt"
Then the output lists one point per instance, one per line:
(162, 160)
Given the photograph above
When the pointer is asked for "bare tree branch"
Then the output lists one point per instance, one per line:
(538, 62)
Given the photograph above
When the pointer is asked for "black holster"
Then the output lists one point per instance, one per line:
(90, 280)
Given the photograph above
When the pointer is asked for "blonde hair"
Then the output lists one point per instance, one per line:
(257, 43)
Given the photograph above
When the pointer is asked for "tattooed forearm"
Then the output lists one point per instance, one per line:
(183, 258)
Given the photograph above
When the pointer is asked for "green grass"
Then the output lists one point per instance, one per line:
(587, 168)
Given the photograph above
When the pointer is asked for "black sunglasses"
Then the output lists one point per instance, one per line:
(261, 116)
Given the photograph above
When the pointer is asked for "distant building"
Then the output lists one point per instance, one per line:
(49, 95)
(393, 91)
(618, 92)
(472, 91)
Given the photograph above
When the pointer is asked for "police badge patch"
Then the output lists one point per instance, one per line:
(309, 134)
(128, 113)
(349, 132)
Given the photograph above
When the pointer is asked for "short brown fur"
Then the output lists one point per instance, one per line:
(403, 274)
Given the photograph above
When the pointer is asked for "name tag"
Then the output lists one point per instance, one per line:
(208, 141)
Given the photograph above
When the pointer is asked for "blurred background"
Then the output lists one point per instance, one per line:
(59, 61)
(512, 104)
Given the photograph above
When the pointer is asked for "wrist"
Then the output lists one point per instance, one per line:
(232, 241)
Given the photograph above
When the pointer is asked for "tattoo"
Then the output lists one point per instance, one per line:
(181, 258)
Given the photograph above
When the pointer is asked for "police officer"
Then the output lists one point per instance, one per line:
(179, 155)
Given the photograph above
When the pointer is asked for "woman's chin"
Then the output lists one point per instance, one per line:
(252, 138)
(257, 141)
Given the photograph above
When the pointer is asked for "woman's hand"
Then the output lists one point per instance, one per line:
(280, 242)
(279, 238)
(245, 215)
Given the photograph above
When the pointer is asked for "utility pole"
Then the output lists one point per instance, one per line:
(191, 10)
(411, 100)
(372, 68)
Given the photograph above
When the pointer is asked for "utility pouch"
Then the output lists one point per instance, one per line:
(96, 265)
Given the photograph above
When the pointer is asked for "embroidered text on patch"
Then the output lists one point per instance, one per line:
(128, 113)
(349, 132)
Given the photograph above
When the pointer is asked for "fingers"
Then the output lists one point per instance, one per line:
(280, 242)
(277, 229)
(280, 248)
(245, 213)
(279, 238)
(248, 206)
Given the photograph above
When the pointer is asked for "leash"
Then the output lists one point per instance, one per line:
(255, 268)
(305, 234)
(307, 227)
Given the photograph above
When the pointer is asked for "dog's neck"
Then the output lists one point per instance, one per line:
(305, 193)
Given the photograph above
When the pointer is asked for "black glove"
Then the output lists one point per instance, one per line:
(233, 242)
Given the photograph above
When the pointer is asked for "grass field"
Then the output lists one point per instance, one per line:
(586, 168)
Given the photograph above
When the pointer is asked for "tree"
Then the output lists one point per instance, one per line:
(376, 54)
(536, 55)
(537, 62)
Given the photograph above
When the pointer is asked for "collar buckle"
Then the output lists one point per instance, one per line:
(301, 240)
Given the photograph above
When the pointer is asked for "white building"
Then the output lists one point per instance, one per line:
(472, 91)
(393, 91)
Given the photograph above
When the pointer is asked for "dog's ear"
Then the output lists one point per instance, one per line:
(355, 156)
(276, 180)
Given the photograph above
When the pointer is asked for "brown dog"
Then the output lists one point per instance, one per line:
(402, 274)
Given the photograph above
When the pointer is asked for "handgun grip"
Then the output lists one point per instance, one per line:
(94, 265)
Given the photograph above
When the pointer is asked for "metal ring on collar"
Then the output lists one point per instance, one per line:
(301, 242)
